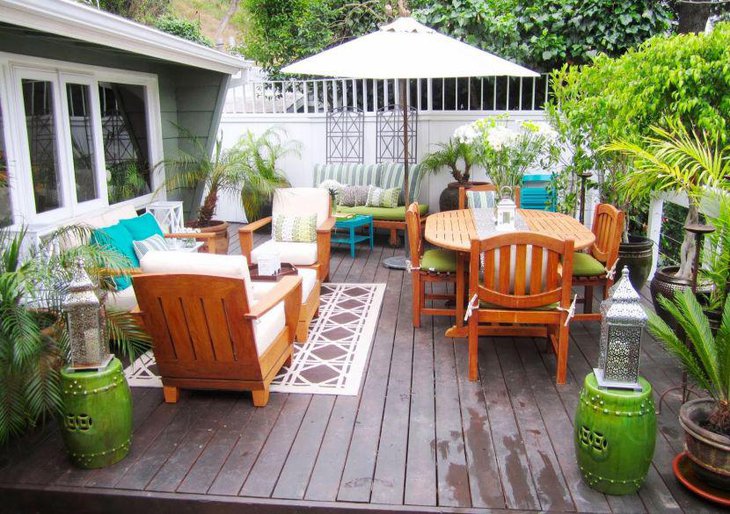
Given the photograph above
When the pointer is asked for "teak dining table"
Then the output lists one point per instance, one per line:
(454, 230)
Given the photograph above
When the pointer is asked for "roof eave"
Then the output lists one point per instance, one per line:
(85, 23)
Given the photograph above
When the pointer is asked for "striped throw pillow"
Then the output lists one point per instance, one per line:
(156, 243)
(295, 229)
(379, 197)
(480, 199)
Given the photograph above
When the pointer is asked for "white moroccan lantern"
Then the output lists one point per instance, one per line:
(506, 210)
(622, 328)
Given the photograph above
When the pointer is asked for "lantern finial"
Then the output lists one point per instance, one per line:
(622, 327)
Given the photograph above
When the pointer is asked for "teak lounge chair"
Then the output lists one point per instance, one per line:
(207, 332)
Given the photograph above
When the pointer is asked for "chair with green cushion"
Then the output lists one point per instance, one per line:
(592, 268)
(430, 266)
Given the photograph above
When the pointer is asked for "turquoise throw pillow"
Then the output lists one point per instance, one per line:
(119, 239)
(142, 227)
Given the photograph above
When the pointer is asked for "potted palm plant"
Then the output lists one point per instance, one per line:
(674, 160)
(248, 167)
(458, 155)
(706, 421)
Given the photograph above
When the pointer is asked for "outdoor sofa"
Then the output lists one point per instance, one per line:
(385, 175)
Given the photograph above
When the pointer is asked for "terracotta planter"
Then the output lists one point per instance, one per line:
(638, 255)
(708, 451)
(220, 229)
(449, 199)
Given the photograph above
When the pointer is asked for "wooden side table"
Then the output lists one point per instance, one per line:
(350, 224)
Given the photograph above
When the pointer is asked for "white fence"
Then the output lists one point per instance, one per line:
(310, 131)
(427, 95)
(300, 106)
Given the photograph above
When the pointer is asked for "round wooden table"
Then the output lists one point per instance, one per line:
(454, 230)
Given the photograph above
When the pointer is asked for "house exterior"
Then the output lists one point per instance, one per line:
(91, 104)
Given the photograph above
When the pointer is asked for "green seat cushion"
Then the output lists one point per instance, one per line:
(585, 265)
(117, 238)
(382, 213)
(142, 227)
(439, 260)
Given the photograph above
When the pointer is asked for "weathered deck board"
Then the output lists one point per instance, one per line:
(419, 437)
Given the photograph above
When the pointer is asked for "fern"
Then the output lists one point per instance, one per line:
(707, 358)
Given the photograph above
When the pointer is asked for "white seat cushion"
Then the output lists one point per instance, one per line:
(302, 254)
(268, 326)
(123, 300)
(309, 279)
(234, 266)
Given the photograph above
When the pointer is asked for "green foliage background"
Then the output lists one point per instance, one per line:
(542, 34)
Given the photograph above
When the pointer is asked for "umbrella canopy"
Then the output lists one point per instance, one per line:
(406, 49)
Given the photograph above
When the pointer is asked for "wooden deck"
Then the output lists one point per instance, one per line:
(420, 437)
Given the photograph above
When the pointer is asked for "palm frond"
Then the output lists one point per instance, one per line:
(126, 336)
(661, 331)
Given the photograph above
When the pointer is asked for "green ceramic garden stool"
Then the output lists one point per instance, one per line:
(97, 415)
(615, 431)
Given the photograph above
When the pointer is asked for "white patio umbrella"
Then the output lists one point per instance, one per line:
(406, 49)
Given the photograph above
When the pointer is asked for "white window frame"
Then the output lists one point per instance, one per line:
(14, 67)
(98, 145)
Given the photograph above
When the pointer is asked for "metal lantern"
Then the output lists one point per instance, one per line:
(506, 210)
(622, 328)
(85, 323)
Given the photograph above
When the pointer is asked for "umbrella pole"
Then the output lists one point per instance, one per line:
(399, 261)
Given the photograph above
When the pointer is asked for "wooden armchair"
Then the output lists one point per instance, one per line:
(533, 288)
(208, 333)
(463, 198)
(594, 267)
(296, 201)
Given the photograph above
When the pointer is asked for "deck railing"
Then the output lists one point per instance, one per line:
(317, 96)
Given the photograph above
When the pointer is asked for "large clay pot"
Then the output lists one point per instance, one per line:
(638, 255)
(666, 284)
(220, 229)
(449, 199)
(708, 451)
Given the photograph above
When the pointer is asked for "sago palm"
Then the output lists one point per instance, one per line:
(707, 358)
(675, 160)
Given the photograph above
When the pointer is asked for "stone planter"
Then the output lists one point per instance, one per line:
(708, 451)
(449, 199)
(666, 284)
(638, 255)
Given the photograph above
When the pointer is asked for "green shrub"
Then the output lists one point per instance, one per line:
(183, 28)
(667, 78)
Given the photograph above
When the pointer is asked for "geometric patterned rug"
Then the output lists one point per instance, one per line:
(333, 359)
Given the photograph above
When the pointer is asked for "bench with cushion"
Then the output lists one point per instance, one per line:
(384, 175)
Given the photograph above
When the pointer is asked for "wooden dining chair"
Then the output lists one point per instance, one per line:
(595, 268)
(532, 289)
(481, 194)
(432, 266)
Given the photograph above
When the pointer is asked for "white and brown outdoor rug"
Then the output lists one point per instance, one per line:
(333, 359)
